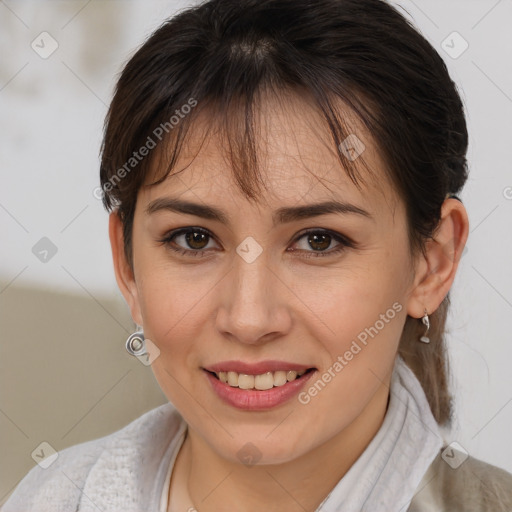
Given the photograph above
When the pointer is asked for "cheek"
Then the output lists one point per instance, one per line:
(173, 306)
(174, 316)
(359, 329)
(343, 305)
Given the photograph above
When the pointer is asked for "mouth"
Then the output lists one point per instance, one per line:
(259, 382)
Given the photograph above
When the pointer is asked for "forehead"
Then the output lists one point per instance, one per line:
(296, 156)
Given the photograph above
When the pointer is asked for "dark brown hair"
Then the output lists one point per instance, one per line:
(220, 56)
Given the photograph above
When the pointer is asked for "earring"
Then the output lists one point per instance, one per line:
(426, 323)
(135, 344)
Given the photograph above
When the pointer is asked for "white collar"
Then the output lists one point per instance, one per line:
(387, 474)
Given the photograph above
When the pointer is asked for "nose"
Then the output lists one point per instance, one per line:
(252, 303)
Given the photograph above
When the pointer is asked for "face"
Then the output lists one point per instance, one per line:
(326, 292)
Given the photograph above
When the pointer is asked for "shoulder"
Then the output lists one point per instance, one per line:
(461, 483)
(58, 487)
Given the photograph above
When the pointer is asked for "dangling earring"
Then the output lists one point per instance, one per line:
(425, 320)
(135, 344)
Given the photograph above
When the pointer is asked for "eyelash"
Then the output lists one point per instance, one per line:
(344, 242)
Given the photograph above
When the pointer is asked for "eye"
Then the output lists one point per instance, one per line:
(320, 240)
(195, 238)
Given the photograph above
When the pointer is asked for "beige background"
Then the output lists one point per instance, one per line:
(66, 376)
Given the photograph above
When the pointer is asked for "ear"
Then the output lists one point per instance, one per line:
(124, 274)
(436, 271)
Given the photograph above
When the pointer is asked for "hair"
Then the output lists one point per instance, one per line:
(220, 56)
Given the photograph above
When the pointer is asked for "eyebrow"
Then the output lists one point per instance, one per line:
(281, 215)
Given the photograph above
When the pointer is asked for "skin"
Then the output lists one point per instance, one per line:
(284, 306)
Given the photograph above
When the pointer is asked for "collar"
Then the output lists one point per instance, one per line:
(387, 474)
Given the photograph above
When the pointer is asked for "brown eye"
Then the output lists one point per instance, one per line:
(196, 239)
(188, 241)
(316, 242)
(319, 242)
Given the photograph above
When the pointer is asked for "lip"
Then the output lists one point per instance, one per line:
(255, 368)
(255, 400)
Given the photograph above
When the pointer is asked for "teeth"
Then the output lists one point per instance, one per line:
(261, 382)
(279, 378)
(291, 375)
(246, 381)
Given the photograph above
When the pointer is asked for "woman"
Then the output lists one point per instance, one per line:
(282, 180)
